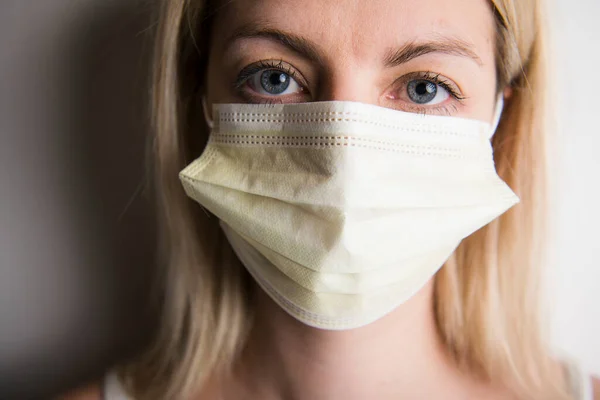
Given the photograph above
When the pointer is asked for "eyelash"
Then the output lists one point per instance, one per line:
(279, 65)
(447, 109)
(438, 80)
(247, 72)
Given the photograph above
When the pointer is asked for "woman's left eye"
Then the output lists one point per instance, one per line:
(273, 82)
(423, 91)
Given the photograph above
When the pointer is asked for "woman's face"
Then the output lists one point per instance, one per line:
(422, 56)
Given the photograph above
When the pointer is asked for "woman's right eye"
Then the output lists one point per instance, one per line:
(269, 81)
(273, 82)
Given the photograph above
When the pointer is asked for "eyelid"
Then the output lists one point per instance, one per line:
(449, 107)
(264, 65)
(450, 86)
(250, 71)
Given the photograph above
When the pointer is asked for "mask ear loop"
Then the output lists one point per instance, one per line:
(497, 114)
(207, 115)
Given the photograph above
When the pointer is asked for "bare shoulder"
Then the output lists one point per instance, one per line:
(596, 387)
(91, 392)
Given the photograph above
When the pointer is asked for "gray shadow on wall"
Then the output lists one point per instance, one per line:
(110, 116)
(104, 103)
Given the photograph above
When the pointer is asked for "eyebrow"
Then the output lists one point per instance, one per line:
(441, 44)
(297, 44)
(309, 50)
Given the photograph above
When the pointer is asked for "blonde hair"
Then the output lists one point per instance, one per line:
(486, 296)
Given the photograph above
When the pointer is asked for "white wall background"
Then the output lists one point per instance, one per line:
(575, 262)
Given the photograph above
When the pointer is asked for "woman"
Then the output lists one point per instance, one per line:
(314, 247)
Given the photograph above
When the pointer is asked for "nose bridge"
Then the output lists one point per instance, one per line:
(349, 83)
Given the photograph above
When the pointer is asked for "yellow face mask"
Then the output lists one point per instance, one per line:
(341, 211)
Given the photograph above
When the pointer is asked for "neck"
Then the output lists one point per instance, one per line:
(400, 355)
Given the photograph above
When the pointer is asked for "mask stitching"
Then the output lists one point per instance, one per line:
(289, 113)
(426, 128)
(232, 115)
(329, 139)
(329, 145)
(330, 120)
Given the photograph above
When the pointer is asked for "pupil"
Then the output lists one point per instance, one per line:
(277, 78)
(275, 82)
(422, 91)
(422, 88)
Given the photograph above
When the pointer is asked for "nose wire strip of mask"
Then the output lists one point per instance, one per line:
(495, 122)
(492, 125)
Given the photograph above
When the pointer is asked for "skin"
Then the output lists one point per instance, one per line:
(401, 355)
(353, 38)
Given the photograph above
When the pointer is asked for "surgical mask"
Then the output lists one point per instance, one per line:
(341, 211)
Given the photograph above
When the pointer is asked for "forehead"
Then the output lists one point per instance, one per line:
(360, 28)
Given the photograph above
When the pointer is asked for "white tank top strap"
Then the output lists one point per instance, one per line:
(112, 388)
(581, 382)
